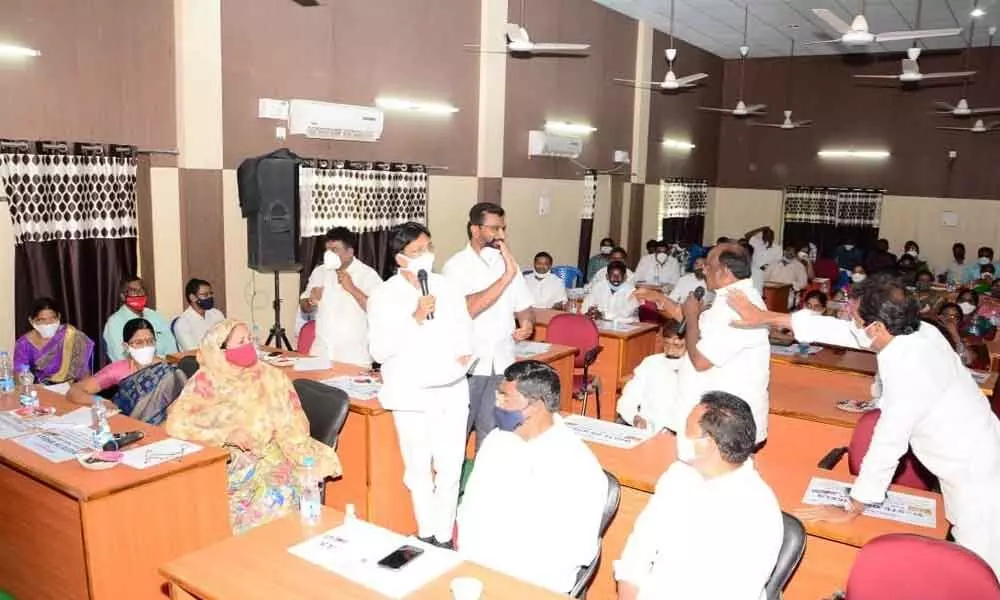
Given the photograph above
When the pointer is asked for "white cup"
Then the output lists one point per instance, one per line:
(466, 588)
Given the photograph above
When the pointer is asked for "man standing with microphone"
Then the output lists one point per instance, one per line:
(495, 294)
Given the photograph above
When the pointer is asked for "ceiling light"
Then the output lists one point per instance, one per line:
(400, 104)
(567, 128)
(677, 144)
(8, 51)
(861, 154)
(977, 12)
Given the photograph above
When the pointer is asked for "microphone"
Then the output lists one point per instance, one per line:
(699, 293)
(422, 278)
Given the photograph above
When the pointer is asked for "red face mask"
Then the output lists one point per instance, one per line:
(136, 303)
(242, 356)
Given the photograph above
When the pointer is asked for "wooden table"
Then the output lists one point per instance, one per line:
(621, 353)
(68, 533)
(258, 566)
(809, 392)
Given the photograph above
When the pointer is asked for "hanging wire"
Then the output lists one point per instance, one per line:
(672, 2)
(788, 84)
(968, 50)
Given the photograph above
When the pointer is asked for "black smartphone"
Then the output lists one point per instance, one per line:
(400, 557)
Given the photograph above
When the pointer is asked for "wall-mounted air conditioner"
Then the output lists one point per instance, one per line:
(542, 143)
(328, 121)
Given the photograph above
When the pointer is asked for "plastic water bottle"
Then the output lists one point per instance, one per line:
(309, 501)
(26, 383)
(257, 340)
(6, 373)
(99, 423)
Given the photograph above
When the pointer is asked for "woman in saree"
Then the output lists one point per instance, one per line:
(251, 409)
(54, 352)
(143, 384)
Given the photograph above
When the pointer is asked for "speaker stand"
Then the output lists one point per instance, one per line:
(277, 334)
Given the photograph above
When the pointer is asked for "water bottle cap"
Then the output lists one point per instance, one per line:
(308, 461)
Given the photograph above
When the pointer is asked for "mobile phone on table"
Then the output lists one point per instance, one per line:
(400, 557)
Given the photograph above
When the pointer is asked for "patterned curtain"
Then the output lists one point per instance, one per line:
(682, 210)
(367, 198)
(73, 210)
(587, 219)
(828, 216)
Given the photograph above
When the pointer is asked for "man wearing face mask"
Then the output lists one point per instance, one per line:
(689, 282)
(848, 255)
(199, 317)
(601, 259)
(496, 294)
(424, 343)
(133, 297)
(662, 269)
(789, 270)
(618, 254)
(532, 506)
(612, 298)
(713, 528)
(547, 290)
(984, 256)
(648, 398)
(337, 293)
(930, 403)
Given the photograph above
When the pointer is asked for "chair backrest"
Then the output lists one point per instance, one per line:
(577, 331)
(325, 407)
(173, 327)
(933, 569)
(910, 472)
(793, 546)
(570, 275)
(586, 574)
(188, 365)
(307, 335)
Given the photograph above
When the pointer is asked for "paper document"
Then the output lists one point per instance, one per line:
(529, 349)
(312, 363)
(158, 452)
(794, 350)
(620, 326)
(360, 387)
(904, 508)
(57, 446)
(354, 549)
(58, 388)
(12, 425)
(77, 419)
(607, 433)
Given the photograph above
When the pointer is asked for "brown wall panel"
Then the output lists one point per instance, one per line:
(350, 52)
(851, 114)
(578, 89)
(202, 242)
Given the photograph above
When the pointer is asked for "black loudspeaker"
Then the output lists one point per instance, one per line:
(269, 199)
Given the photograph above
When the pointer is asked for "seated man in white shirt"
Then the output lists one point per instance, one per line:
(200, 315)
(612, 297)
(655, 386)
(713, 529)
(689, 282)
(617, 255)
(789, 270)
(649, 255)
(547, 290)
(662, 270)
(532, 507)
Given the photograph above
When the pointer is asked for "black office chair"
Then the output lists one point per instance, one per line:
(793, 546)
(325, 407)
(188, 365)
(586, 574)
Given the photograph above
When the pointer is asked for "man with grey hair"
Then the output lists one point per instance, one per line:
(533, 504)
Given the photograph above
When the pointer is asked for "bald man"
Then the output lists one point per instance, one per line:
(722, 357)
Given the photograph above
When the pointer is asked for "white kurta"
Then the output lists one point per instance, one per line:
(651, 271)
(652, 392)
(547, 291)
(190, 327)
(793, 273)
(703, 539)
(686, 285)
(341, 323)
(602, 276)
(618, 305)
(931, 404)
(533, 509)
(763, 256)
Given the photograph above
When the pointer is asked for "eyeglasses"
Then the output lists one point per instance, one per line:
(142, 343)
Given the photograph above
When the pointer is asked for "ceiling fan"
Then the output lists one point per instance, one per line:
(977, 127)
(962, 109)
(671, 82)
(307, 2)
(519, 42)
(742, 109)
(911, 71)
(788, 123)
(857, 33)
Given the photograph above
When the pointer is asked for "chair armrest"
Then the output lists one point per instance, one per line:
(591, 355)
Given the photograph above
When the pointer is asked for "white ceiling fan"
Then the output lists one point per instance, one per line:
(671, 82)
(857, 33)
(911, 71)
(978, 127)
(962, 108)
(519, 42)
(788, 123)
(742, 109)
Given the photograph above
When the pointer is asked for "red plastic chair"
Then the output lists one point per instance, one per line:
(307, 335)
(648, 313)
(579, 332)
(905, 566)
(910, 472)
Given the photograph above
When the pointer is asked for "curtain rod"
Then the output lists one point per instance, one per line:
(156, 151)
(834, 188)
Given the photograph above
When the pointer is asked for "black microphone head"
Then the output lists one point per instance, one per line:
(699, 293)
(421, 275)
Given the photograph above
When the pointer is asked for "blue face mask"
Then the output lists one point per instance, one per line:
(507, 420)
(614, 286)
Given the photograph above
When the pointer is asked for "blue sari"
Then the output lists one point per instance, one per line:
(146, 394)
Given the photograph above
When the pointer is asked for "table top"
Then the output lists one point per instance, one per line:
(812, 393)
(544, 315)
(786, 462)
(73, 480)
(258, 566)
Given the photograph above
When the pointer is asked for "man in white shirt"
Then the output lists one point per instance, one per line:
(689, 282)
(655, 386)
(713, 529)
(424, 344)
(337, 293)
(956, 271)
(761, 241)
(547, 290)
(649, 256)
(532, 507)
(662, 270)
(617, 255)
(612, 298)
(200, 315)
(930, 403)
(789, 271)
(495, 293)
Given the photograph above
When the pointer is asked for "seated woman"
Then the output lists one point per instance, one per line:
(52, 351)
(972, 348)
(816, 301)
(250, 408)
(146, 385)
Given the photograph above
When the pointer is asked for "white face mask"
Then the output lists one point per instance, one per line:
(331, 260)
(541, 276)
(685, 449)
(858, 277)
(143, 355)
(606, 249)
(861, 337)
(661, 257)
(803, 255)
(424, 262)
(848, 247)
(913, 253)
(983, 260)
(967, 307)
(47, 330)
